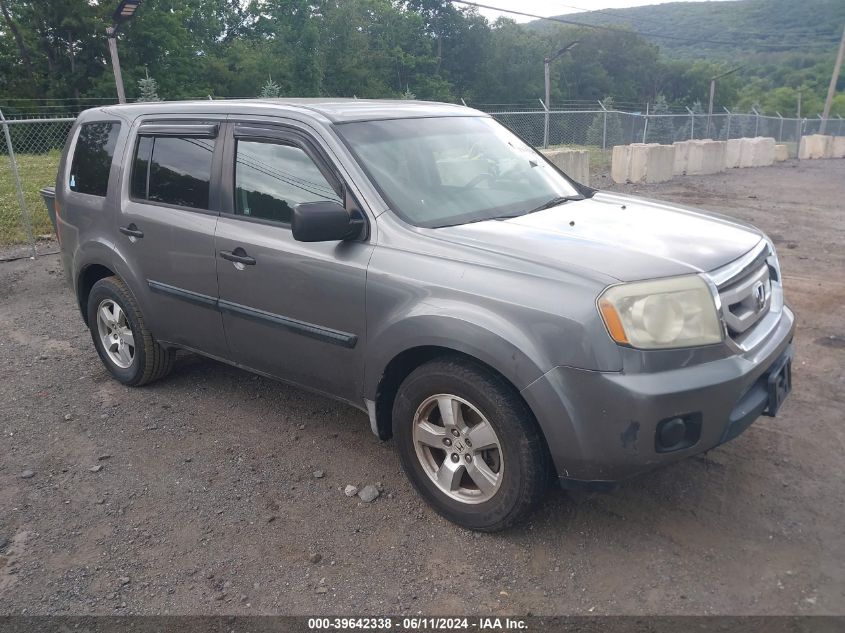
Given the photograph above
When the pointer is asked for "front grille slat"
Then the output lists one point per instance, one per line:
(746, 295)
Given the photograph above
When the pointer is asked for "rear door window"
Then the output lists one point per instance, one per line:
(92, 158)
(173, 170)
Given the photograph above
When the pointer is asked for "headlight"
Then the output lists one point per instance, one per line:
(663, 313)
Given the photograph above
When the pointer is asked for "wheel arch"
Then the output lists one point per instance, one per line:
(85, 280)
(415, 341)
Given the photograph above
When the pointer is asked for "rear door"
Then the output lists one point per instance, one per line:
(166, 229)
(293, 310)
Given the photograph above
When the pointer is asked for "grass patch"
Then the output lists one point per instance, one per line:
(36, 171)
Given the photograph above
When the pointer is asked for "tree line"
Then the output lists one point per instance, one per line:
(430, 49)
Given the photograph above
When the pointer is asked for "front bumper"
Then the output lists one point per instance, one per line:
(601, 426)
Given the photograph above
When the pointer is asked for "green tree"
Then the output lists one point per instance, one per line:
(661, 127)
(270, 89)
(148, 88)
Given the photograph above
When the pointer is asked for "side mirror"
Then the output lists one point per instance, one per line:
(323, 221)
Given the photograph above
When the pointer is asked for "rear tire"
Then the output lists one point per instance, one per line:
(125, 345)
(444, 406)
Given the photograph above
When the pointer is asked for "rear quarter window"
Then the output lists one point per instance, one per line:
(92, 157)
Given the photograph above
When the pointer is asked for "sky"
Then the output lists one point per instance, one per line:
(554, 7)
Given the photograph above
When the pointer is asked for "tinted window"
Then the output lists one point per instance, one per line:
(271, 178)
(179, 171)
(89, 171)
(141, 167)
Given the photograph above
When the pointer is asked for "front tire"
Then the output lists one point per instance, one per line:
(121, 337)
(469, 444)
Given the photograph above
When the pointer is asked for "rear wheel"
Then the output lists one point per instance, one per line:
(121, 338)
(469, 444)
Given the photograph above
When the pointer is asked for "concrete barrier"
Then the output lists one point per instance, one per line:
(642, 162)
(757, 152)
(679, 165)
(815, 146)
(699, 156)
(781, 153)
(838, 144)
(706, 157)
(733, 149)
(575, 163)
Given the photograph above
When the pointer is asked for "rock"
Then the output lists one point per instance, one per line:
(319, 474)
(368, 493)
(271, 518)
(244, 597)
(315, 558)
(4, 542)
(322, 589)
(124, 580)
(96, 469)
(349, 491)
(68, 417)
(28, 474)
(104, 456)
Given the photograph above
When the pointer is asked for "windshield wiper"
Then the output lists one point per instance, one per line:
(554, 202)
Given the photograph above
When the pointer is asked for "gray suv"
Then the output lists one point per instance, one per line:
(505, 325)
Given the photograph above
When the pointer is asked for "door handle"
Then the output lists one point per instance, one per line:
(132, 231)
(238, 256)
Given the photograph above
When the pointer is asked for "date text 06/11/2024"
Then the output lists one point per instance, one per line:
(419, 623)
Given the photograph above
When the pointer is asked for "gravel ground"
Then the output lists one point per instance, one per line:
(198, 494)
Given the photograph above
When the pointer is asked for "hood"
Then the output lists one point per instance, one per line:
(624, 237)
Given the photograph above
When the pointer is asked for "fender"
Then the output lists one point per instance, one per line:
(479, 334)
(103, 253)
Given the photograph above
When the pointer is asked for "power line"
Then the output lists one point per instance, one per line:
(614, 29)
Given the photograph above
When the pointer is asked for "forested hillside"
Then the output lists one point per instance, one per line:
(54, 55)
(782, 45)
(729, 30)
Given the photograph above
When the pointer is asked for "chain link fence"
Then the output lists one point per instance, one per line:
(602, 129)
(29, 158)
(30, 150)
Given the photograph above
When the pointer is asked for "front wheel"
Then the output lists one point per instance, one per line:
(469, 444)
(121, 337)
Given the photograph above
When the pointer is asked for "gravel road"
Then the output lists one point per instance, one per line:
(199, 494)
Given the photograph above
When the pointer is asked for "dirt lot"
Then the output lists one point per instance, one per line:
(206, 500)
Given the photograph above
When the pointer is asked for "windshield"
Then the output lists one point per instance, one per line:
(436, 172)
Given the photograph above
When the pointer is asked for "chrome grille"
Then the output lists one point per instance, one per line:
(746, 300)
(750, 294)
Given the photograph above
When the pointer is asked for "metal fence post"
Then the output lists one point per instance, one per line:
(545, 124)
(691, 124)
(27, 225)
(728, 130)
(645, 125)
(780, 133)
(756, 122)
(604, 127)
(839, 133)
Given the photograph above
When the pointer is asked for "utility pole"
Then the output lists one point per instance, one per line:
(831, 89)
(798, 125)
(111, 35)
(713, 93)
(546, 73)
(124, 12)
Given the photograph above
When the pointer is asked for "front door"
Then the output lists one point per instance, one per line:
(166, 230)
(290, 309)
